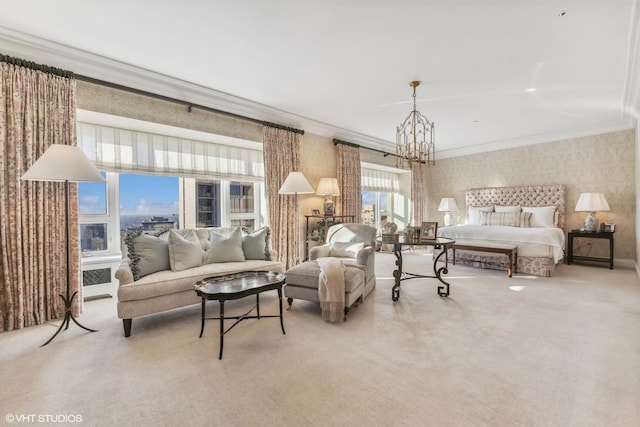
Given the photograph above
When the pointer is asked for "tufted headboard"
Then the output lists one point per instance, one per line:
(532, 195)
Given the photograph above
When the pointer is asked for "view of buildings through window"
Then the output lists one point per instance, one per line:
(152, 202)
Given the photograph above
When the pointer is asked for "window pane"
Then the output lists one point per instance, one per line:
(93, 237)
(146, 200)
(92, 197)
(249, 224)
(368, 215)
(241, 197)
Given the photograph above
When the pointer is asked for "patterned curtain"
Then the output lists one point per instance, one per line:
(418, 194)
(348, 165)
(281, 156)
(37, 109)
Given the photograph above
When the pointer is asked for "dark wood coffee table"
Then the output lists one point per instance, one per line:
(235, 286)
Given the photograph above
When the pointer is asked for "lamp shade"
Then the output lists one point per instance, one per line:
(448, 204)
(592, 202)
(328, 187)
(63, 163)
(296, 183)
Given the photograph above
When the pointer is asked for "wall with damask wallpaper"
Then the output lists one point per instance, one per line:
(598, 163)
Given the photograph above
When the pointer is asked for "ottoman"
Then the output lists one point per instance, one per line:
(302, 283)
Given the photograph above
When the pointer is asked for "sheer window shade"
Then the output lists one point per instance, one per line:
(377, 180)
(119, 150)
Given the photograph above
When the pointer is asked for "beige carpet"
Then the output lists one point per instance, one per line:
(526, 351)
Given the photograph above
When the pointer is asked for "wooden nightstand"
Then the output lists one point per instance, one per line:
(591, 235)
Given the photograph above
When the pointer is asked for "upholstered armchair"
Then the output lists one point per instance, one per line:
(354, 245)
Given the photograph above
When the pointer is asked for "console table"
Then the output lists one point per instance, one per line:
(399, 275)
(591, 235)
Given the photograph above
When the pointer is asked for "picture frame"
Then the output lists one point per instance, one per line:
(608, 227)
(315, 211)
(429, 231)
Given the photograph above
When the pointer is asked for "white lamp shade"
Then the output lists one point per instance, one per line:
(448, 204)
(592, 202)
(63, 163)
(328, 187)
(296, 183)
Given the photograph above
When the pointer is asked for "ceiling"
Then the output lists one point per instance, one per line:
(495, 73)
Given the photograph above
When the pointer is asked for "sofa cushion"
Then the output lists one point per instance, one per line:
(255, 245)
(307, 273)
(185, 251)
(148, 252)
(225, 247)
(168, 282)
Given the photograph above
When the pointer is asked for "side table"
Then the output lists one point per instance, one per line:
(591, 235)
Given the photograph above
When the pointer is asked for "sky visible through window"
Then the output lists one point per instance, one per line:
(149, 195)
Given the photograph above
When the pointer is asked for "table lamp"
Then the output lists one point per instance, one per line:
(328, 187)
(590, 203)
(447, 205)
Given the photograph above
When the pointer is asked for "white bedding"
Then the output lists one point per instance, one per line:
(552, 236)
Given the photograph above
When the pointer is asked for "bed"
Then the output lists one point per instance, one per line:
(530, 217)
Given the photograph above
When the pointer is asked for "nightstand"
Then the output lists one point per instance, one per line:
(590, 235)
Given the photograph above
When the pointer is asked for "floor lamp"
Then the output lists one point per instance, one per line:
(64, 163)
(295, 184)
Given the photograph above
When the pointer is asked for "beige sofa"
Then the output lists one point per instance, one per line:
(160, 269)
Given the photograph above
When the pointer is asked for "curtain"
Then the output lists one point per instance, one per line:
(281, 150)
(348, 165)
(37, 109)
(418, 193)
(117, 150)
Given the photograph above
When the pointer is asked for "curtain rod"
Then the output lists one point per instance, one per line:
(35, 66)
(351, 144)
(190, 106)
(277, 126)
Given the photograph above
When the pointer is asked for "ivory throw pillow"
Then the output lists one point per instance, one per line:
(542, 216)
(225, 247)
(184, 251)
(474, 213)
(256, 245)
(345, 249)
(148, 252)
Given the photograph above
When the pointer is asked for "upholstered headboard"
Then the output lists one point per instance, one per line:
(533, 195)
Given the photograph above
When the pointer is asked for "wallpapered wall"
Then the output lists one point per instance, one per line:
(598, 163)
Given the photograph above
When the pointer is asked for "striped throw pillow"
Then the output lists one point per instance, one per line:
(511, 219)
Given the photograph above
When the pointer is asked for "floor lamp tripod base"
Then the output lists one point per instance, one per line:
(68, 316)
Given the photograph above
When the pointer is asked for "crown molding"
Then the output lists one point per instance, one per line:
(39, 50)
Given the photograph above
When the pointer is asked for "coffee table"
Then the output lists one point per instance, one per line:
(236, 286)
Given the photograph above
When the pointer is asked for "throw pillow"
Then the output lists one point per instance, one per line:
(542, 216)
(511, 219)
(184, 251)
(225, 247)
(256, 245)
(345, 249)
(148, 252)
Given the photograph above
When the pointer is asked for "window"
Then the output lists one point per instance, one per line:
(94, 217)
(382, 200)
(148, 202)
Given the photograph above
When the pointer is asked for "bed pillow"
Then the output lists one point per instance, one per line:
(541, 216)
(345, 249)
(474, 213)
(148, 252)
(184, 251)
(225, 247)
(256, 245)
(507, 208)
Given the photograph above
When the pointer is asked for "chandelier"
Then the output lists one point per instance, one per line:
(414, 138)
